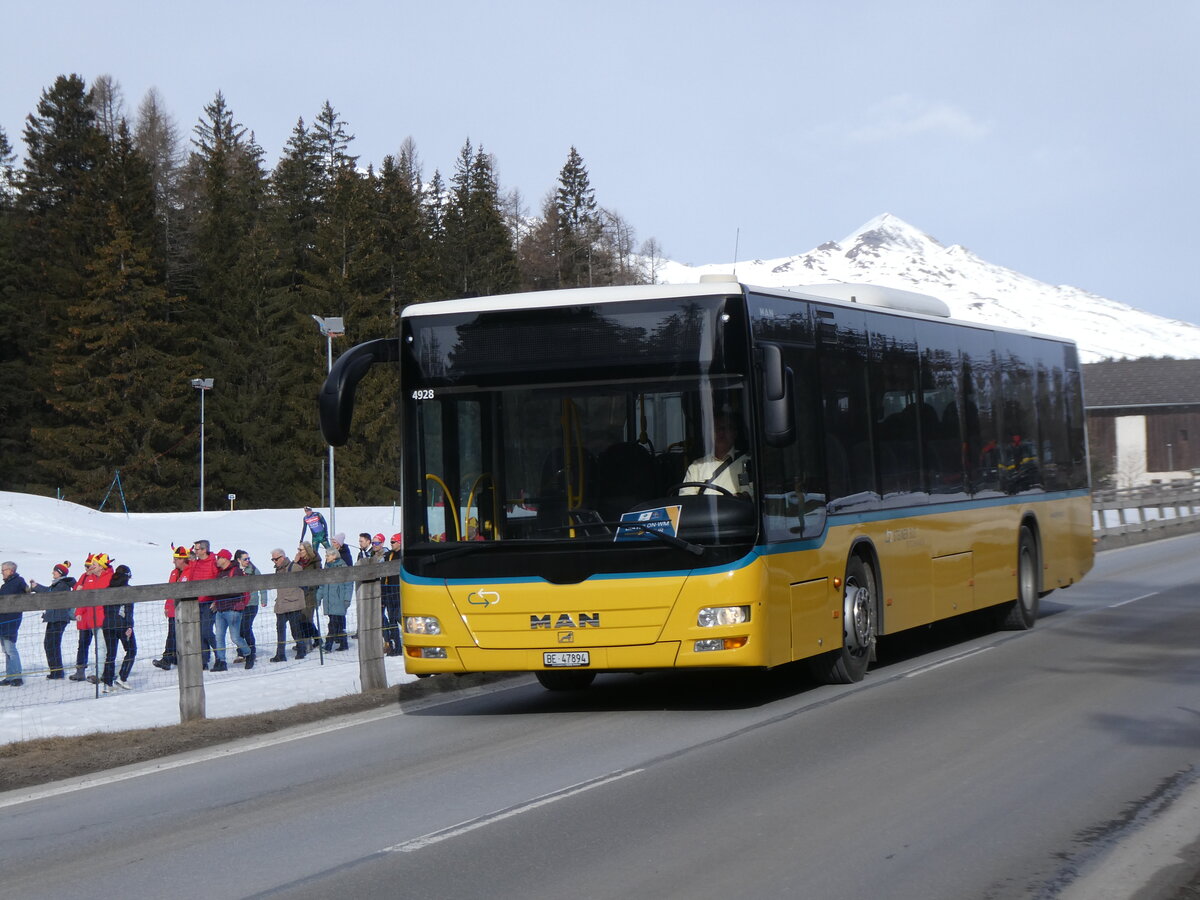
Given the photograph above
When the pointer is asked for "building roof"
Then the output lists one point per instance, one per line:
(1141, 382)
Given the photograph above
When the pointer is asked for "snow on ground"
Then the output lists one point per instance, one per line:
(37, 532)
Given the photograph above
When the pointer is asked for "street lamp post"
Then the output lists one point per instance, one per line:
(202, 385)
(331, 327)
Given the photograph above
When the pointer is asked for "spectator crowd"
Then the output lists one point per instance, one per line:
(227, 615)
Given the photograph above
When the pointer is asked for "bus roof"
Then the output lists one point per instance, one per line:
(843, 294)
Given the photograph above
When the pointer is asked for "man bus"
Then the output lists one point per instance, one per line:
(896, 467)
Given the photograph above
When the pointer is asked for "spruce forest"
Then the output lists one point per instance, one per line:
(136, 255)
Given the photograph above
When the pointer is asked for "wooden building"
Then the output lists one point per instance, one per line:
(1143, 419)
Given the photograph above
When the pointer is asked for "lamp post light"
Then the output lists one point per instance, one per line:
(331, 327)
(202, 385)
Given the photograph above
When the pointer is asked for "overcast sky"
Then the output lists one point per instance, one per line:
(1058, 139)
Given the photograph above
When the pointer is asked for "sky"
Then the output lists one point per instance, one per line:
(1056, 139)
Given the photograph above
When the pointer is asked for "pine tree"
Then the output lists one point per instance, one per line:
(60, 223)
(478, 246)
(578, 225)
(224, 191)
(14, 364)
(332, 144)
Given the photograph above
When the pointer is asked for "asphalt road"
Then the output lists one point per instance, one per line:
(969, 764)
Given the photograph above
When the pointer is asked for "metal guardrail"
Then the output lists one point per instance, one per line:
(1146, 513)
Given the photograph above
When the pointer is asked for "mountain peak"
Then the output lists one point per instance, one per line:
(887, 230)
(888, 251)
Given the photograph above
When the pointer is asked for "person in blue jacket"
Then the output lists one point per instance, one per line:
(56, 620)
(335, 598)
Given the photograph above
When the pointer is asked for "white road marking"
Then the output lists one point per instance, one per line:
(946, 662)
(196, 756)
(1133, 600)
(435, 837)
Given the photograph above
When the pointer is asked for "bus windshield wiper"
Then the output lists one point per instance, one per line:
(673, 540)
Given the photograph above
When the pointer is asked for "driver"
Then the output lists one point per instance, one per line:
(726, 467)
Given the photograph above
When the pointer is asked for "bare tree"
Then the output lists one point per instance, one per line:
(156, 138)
(652, 259)
(108, 102)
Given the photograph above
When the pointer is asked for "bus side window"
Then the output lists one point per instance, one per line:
(791, 478)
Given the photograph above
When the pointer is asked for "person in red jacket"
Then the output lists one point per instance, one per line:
(90, 619)
(202, 566)
(170, 656)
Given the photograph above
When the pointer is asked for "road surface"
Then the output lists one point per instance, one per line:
(968, 763)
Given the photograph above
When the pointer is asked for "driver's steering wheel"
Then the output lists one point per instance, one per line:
(703, 485)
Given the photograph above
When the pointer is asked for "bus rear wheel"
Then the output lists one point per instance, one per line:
(1020, 614)
(566, 681)
(849, 665)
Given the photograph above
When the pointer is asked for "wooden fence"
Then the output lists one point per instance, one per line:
(187, 618)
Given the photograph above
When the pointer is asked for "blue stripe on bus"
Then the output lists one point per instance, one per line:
(813, 543)
(912, 512)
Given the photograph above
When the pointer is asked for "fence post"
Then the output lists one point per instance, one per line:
(371, 669)
(191, 674)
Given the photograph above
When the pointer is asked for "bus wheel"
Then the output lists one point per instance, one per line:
(1020, 614)
(849, 664)
(566, 681)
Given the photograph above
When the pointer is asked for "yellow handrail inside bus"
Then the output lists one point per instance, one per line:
(429, 476)
(573, 469)
(471, 502)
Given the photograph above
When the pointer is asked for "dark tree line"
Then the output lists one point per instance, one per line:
(133, 258)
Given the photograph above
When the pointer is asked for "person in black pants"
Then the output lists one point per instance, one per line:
(56, 620)
(118, 629)
(391, 602)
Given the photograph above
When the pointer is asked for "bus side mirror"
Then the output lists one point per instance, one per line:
(779, 419)
(335, 402)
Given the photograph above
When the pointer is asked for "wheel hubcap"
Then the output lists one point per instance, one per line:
(859, 614)
(1028, 592)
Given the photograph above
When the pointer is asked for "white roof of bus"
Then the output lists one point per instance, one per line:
(853, 295)
(572, 297)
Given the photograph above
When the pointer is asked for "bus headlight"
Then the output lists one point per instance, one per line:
(422, 625)
(712, 616)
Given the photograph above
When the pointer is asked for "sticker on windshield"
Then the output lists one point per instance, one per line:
(636, 525)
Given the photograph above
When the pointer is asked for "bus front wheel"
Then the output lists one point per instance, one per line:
(849, 664)
(566, 681)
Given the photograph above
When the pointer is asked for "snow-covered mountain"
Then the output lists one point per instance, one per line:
(889, 251)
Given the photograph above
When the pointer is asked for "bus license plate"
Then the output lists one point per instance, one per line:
(573, 658)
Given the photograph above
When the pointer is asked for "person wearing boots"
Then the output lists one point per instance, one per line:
(56, 620)
(335, 598)
(391, 600)
(10, 624)
(118, 630)
(170, 655)
(97, 574)
(256, 600)
(289, 606)
(203, 565)
(227, 613)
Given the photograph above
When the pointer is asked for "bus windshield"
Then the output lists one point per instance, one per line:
(587, 465)
(567, 432)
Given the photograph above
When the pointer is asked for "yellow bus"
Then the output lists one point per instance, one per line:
(715, 475)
